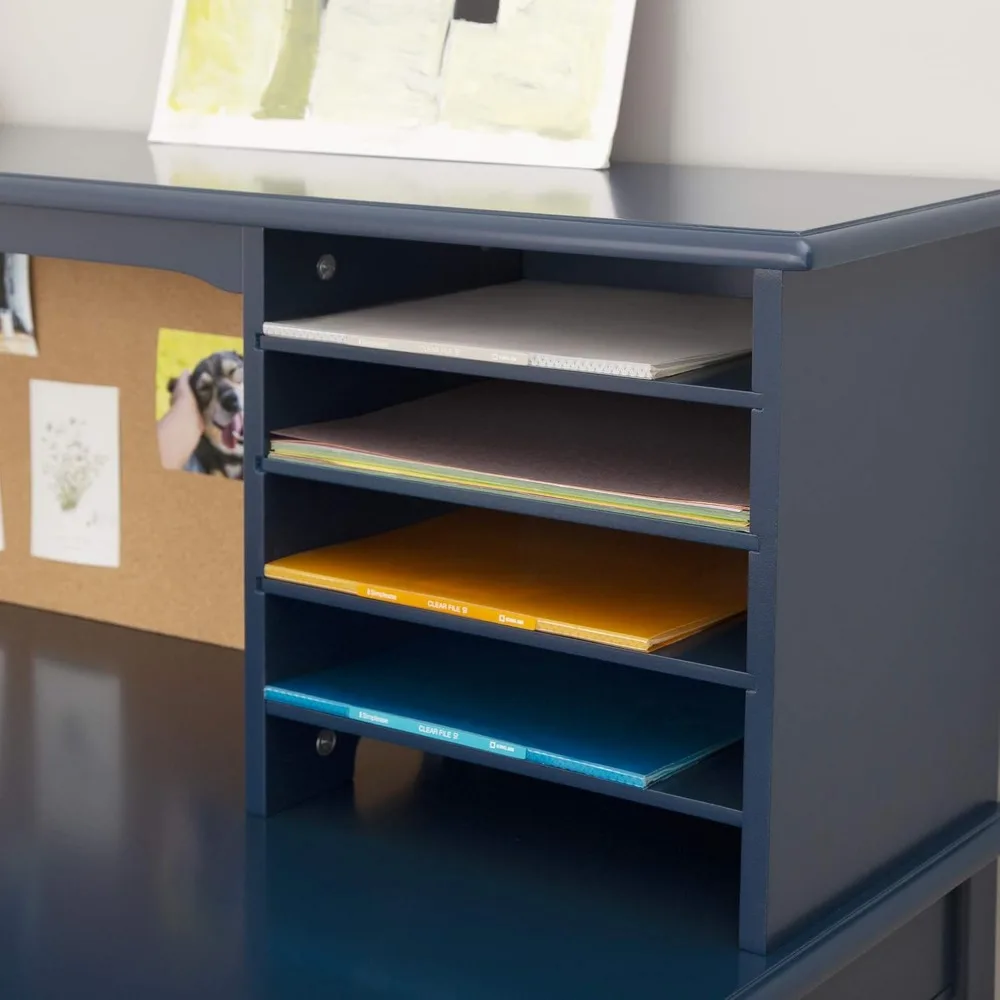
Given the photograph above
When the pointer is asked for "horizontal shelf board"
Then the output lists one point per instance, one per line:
(580, 514)
(725, 384)
(718, 657)
(552, 714)
(711, 790)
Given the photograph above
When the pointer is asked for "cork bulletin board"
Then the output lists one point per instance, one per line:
(181, 570)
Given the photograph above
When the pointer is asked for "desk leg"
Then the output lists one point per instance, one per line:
(976, 944)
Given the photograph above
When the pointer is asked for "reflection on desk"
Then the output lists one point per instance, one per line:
(427, 878)
(700, 197)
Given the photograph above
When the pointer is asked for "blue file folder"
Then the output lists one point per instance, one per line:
(607, 721)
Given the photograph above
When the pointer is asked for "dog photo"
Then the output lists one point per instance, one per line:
(17, 321)
(199, 403)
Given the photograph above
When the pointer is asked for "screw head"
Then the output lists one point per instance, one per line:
(326, 267)
(325, 742)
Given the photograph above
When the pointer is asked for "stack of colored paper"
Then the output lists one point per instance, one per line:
(628, 726)
(653, 457)
(617, 588)
(622, 332)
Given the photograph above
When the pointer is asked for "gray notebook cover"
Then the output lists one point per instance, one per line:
(568, 437)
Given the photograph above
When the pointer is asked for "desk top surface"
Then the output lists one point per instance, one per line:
(128, 866)
(760, 218)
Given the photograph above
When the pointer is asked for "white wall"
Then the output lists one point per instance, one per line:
(899, 86)
(895, 86)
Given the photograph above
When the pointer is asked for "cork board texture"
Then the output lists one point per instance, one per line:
(181, 570)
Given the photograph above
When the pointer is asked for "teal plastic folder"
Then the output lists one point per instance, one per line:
(607, 721)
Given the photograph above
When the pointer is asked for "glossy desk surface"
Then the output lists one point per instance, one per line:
(763, 218)
(128, 868)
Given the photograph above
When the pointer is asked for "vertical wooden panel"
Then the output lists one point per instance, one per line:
(885, 685)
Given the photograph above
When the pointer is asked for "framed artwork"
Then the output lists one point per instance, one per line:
(535, 82)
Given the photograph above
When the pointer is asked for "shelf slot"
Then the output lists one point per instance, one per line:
(577, 513)
(717, 656)
(551, 716)
(724, 384)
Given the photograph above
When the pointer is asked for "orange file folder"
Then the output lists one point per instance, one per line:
(633, 591)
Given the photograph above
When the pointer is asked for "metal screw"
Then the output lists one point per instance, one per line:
(326, 267)
(325, 742)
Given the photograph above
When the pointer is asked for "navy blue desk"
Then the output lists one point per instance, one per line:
(128, 867)
(850, 851)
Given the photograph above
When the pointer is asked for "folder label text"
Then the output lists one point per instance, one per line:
(434, 731)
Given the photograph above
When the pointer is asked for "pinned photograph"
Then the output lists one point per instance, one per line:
(17, 320)
(199, 403)
(75, 477)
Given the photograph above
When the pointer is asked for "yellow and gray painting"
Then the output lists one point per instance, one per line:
(533, 66)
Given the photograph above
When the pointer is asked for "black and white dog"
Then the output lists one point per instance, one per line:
(217, 383)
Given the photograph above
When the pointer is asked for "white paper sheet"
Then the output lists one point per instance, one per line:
(75, 474)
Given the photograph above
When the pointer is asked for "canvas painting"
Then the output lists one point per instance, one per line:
(497, 81)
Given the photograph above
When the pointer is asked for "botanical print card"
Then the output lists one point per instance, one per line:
(498, 81)
(75, 477)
